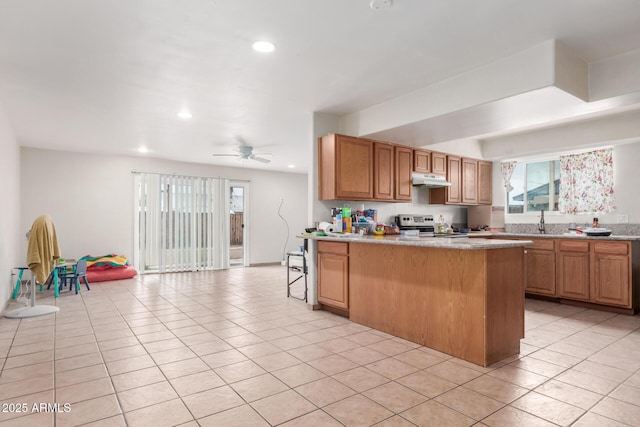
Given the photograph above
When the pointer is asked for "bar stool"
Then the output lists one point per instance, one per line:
(301, 272)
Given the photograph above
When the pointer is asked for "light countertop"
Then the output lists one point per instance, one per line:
(479, 234)
(463, 243)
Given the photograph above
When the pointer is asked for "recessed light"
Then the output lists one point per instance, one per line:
(291, 166)
(263, 46)
(143, 149)
(184, 115)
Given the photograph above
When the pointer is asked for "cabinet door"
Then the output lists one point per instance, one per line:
(383, 171)
(403, 168)
(421, 161)
(453, 194)
(333, 280)
(469, 181)
(540, 272)
(438, 163)
(354, 168)
(485, 181)
(612, 280)
(573, 274)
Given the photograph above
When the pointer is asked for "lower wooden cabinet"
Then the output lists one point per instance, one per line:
(573, 274)
(599, 272)
(540, 267)
(333, 274)
(612, 273)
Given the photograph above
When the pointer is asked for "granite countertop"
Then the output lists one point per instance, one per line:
(464, 243)
(551, 236)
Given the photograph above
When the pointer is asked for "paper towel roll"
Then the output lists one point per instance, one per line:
(323, 226)
(328, 227)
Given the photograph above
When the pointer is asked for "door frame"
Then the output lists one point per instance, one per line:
(245, 220)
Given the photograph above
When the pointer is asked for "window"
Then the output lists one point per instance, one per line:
(535, 187)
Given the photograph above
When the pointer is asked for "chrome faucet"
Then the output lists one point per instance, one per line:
(541, 223)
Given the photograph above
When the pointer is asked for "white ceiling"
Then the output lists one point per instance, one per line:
(109, 76)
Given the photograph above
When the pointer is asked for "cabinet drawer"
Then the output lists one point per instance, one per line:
(333, 247)
(543, 244)
(613, 248)
(573, 246)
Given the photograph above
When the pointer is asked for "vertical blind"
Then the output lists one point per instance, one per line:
(181, 223)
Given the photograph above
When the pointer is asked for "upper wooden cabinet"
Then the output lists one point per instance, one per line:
(351, 168)
(469, 188)
(345, 168)
(470, 182)
(485, 181)
(438, 163)
(383, 176)
(453, 194)
(421, 161)
(429, 162)
(403, 169)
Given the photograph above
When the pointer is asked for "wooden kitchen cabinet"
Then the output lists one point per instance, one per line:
(421, 161)
(591, 271)
(403, 169)
(383, 157)
(485, 182)
(453, 194)
(438, 163)
(573, 274)
(333, 274)
(612, 273)
(469, 183)
(345, 168)
(540, 267)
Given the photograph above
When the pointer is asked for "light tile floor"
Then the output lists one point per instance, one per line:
(227, 348)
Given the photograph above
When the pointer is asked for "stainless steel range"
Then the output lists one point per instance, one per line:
(411, 224)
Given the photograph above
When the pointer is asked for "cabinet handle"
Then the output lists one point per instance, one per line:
(525, 251)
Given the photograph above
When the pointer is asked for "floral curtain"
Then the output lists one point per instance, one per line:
(507, 170)
(586, 183)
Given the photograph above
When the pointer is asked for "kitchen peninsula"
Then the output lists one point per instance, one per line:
(460, 296)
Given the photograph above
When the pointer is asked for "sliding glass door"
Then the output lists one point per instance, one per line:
(181, 223)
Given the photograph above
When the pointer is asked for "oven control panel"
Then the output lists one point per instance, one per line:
(412, 220)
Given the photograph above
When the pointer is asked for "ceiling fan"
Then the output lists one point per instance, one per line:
(245, 152)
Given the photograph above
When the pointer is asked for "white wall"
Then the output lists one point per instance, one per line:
(90, 198)
(11, 233)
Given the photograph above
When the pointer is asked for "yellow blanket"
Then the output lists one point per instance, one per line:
(43, 249)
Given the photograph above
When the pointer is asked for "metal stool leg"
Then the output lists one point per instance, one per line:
(302, 275)
(17, 287)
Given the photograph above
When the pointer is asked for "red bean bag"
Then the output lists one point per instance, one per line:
(104, 273)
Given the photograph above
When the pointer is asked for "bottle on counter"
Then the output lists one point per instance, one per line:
(442, 227)
(346, 219)
(595, 223)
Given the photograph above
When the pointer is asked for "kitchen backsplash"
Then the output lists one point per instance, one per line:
(617, 229)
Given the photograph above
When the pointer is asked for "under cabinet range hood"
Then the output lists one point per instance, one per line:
(427, 180)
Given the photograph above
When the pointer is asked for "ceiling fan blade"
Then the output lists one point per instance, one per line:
(260, 159)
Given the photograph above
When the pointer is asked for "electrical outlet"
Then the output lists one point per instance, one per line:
(623, 218)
